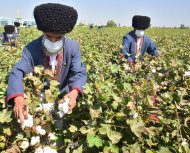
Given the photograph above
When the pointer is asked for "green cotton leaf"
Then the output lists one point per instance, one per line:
(114, 105)
(2, 145)
(127, 87)
(54, 83)
(114, 68)
(38, 70)
(135, 148)
(137, 128)
(78, 150)
(5, 116)
(150, 143)
(187, 120)
(2, 139)
(102, 131)
(7, 131)
(73, 128)
(164, 150)
(149, 151)
(152, 131)
(49, 96)
(105, 129)
(114, 136)
(94, 113)
(83, 130)
(120, 115)
(112, 149)
(93, 140)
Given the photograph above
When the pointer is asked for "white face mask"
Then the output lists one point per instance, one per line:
(139, 33)
(9, 35)
(51, 47)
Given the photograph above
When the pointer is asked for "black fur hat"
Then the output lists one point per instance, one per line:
(17, 24)
(141, 22)
(57, 18)
(9, 29)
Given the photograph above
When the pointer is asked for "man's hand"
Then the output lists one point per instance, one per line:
(20, 108)
(72, 98)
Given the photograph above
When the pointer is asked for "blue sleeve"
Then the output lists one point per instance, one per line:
(152, 49)
(15, 81)
(78, 74)
(2, 39)
(125, 50)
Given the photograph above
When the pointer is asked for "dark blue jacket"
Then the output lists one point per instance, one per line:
(72, 74)
(129, 50)
(5, 38)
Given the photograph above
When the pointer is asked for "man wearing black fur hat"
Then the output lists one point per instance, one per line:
(52, 50)
(17, 25)
(135, 43)
(9, 37)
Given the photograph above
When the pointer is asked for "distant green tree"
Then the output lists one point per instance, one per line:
(111, 23)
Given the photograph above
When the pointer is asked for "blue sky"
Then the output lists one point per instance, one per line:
(162, 12)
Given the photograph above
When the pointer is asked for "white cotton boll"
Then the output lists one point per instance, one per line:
(34, 140)
(184, 142)
(61, 114)
(60, 107)
(135, 115)
(40, 130)
(160, 74)
(39, 150)
(65, 106)
(49, 150)
(54, 144)
(24, 145)
(187, 73)
(31, 74)
(153, 70)
(52, 136)
(42, 94)
(29, 122)
(53, 151)
(48, 107)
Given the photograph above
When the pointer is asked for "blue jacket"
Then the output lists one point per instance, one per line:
(5, 38)
(129, 50)
(73, 74)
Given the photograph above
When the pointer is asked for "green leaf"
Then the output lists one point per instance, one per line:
(5, 116)
(73, 128)
(152, 131)
(137, 127)
(94, 113)
(7, 131)
(164, 150)
(93, 140)
(114, 136)
(78, 150)
(112, 149)
(149, 151)
(83, 130)
(54, 83)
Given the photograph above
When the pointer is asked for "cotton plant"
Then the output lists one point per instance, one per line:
(39, 128)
